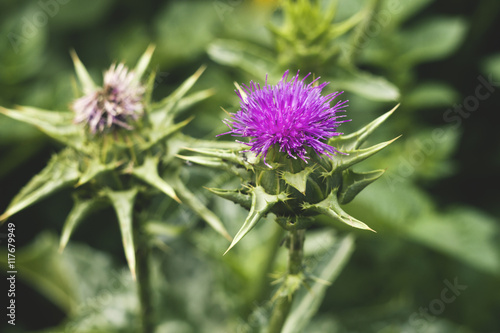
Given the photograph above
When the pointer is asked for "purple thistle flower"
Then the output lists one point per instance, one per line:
(291, 115)
(115, 104)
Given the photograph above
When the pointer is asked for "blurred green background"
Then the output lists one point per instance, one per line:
(436, 209)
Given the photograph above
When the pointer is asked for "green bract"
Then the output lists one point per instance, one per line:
(116, 166)
(293, 190)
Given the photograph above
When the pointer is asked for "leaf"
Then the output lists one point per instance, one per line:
(81, 209)
(39, 264)
(373, 87)
(308, 301)
(56, 124)
(162, 133)
(297, 180)
(123, 203)
(331, 208)
(148, 173)
(61, 171)
(244, 200)
(83, 76)
(143, 62)
(464, 233)
(355, 140)
(491, 66)
(403, 10)
(432, 39)
(248, 57)
(353, 183)
(189, 199)
(342, 162)
(261, 204)
(431, 95)
(168, 106)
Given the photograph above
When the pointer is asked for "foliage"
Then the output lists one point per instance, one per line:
(431, 227)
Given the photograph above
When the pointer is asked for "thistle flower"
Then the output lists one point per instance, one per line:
(291, 115)
(117, 103)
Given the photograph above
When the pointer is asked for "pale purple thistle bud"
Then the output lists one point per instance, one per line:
(290, 115)
(117, 103)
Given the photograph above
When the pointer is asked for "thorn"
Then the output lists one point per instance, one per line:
(229, 114)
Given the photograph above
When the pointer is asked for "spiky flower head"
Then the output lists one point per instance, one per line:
(291, 115)
(116, 104)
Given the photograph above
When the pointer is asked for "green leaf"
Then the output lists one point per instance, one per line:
(82, 74)
(402, 10)
(244, 200)
(163, 132)
(331, 208)
(491, 67)
(61, 171)
(297, 180)
(308, 301)
(168, 107)
(342, 162)
(148, 173)
(373, 87)
(431, 95)
(81, 209)
(248, 57)
(464, 233)
(338, 29)
(353, 183)
(123, 203)
(40, 265)
(143, 62)
(432, 40)
(94, 168)
(189, 199)
(261, 204)
(356, 139)
(56, 124)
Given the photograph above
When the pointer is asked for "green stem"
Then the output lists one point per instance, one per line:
(142, 257)
(295, 244)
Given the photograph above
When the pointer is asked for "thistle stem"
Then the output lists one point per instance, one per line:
(295, 244)
(143, 278)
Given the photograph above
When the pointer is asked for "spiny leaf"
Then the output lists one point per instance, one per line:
(189, 199)
(93, 169)
(168, 107)
(123, 203)
(261, 204)
(342, 162)
(229, 155)
(60, 172)
(56, 124)
(353, 183)
(80, 210)
(143, 62)
(82, 74)
(162, 131)
(297, 180)
(356, 139)
(330, 207)
(148, 172)
(244, 200)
